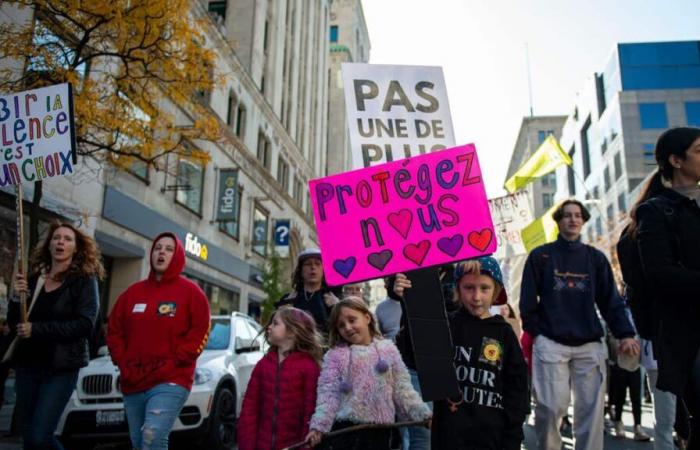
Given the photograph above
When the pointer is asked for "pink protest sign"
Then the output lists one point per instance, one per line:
(404, 215)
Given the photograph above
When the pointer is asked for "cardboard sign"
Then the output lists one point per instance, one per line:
(401, 216)
(395, 112)
(37, 135)
(511, 213)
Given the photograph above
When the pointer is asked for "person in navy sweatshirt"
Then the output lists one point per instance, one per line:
(563, 283)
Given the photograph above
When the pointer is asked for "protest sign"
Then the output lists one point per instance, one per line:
(395, 112)
(510, 213)
(404, 215)
(37, 134)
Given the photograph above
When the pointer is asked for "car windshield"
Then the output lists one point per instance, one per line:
(219, 335)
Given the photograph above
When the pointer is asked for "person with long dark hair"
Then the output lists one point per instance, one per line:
(666, 220)
(53, 343)
(310, 292)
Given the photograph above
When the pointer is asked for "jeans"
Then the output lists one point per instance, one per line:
(556, 369)
(42, 395)
(151, 415)
(664, 414)
(416, 438)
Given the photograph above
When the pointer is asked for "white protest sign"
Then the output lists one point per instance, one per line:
(395, 112)
(510, 214)
(37, 134)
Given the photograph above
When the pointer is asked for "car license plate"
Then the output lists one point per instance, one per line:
(104, 418)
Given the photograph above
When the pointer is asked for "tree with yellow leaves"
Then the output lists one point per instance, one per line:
(139, 69)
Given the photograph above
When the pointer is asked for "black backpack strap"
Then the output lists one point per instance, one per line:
(668, 212)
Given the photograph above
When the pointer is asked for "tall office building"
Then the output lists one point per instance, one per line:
(610, 133)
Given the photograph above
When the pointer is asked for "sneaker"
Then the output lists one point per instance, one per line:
(619, 430)
(640, 435)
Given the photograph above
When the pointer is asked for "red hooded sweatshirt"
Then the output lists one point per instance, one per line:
(157, 329)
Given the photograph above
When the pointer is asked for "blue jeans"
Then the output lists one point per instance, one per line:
(416, 438)
(151, 415)
(42, 395)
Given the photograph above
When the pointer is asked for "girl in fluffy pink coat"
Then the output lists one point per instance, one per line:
(363, 380)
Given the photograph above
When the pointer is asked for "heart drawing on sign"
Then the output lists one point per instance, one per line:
(344, 266)
(480, 240)
(451, 246)
(379, 260)
(401, 221)
(416, 253)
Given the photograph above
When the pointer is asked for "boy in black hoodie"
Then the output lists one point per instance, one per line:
(490, 368)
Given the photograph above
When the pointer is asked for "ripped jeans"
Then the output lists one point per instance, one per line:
(151, 415)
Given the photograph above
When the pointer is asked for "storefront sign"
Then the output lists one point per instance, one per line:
(196, 248)
(395, 112)
(420, 212)
(37, 134)
(282, 229)
(511, 213)
(226, 208)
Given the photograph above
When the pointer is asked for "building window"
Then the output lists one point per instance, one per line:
(547, 200)
(240, 121)
(129, 144)
(298, 191)
(260, 222)
(54, 48)
(542, 135)
(283, 173)
(233, 227)
(653, 116)
(598, 226)
(334, 33)
(264, 150)
(692, 113)
(596, 193)
(570, 174)
(649, 155)
(221, 301)
(622, 203)
(618, 166)
(611, 214)
(218, 9)
(232, 110)
(585, 149)
(190, 181)
(550, 180)
(606, 179)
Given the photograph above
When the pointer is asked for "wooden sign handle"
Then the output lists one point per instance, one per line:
(21, 263)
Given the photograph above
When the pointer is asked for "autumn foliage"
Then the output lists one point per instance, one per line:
(139, 68)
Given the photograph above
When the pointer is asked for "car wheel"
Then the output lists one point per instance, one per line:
(222, 421)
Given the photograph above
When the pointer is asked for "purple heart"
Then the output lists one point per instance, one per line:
(380, 260)
(344, 266)
(451, 246)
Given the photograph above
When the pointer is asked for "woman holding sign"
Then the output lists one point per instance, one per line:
(53, 344)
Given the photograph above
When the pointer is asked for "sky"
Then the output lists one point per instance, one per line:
(481, 45)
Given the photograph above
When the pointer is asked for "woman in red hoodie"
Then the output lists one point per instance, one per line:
(281, 394)
(156, 331)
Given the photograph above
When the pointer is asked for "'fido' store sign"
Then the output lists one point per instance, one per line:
(400, 216)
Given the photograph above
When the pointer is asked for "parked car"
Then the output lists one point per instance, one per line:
(95, 410)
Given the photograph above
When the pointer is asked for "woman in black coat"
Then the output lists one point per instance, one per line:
(53, 343)
(667, 221)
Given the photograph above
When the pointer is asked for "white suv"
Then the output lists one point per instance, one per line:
(96, 410)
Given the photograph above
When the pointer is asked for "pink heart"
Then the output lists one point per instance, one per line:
(401, 221)
(416, 253)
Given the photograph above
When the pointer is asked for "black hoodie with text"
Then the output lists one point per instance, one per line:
(494, 395)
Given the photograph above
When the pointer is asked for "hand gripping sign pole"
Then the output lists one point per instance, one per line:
(21, 260)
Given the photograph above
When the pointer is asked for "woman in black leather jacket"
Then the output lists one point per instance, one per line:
(667, 221)
(53, 344)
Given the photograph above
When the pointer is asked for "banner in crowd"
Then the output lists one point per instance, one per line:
(37, 134)
(548, 156)
(510, 213)
(404, 215)
(541, 231)
(395, 112)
